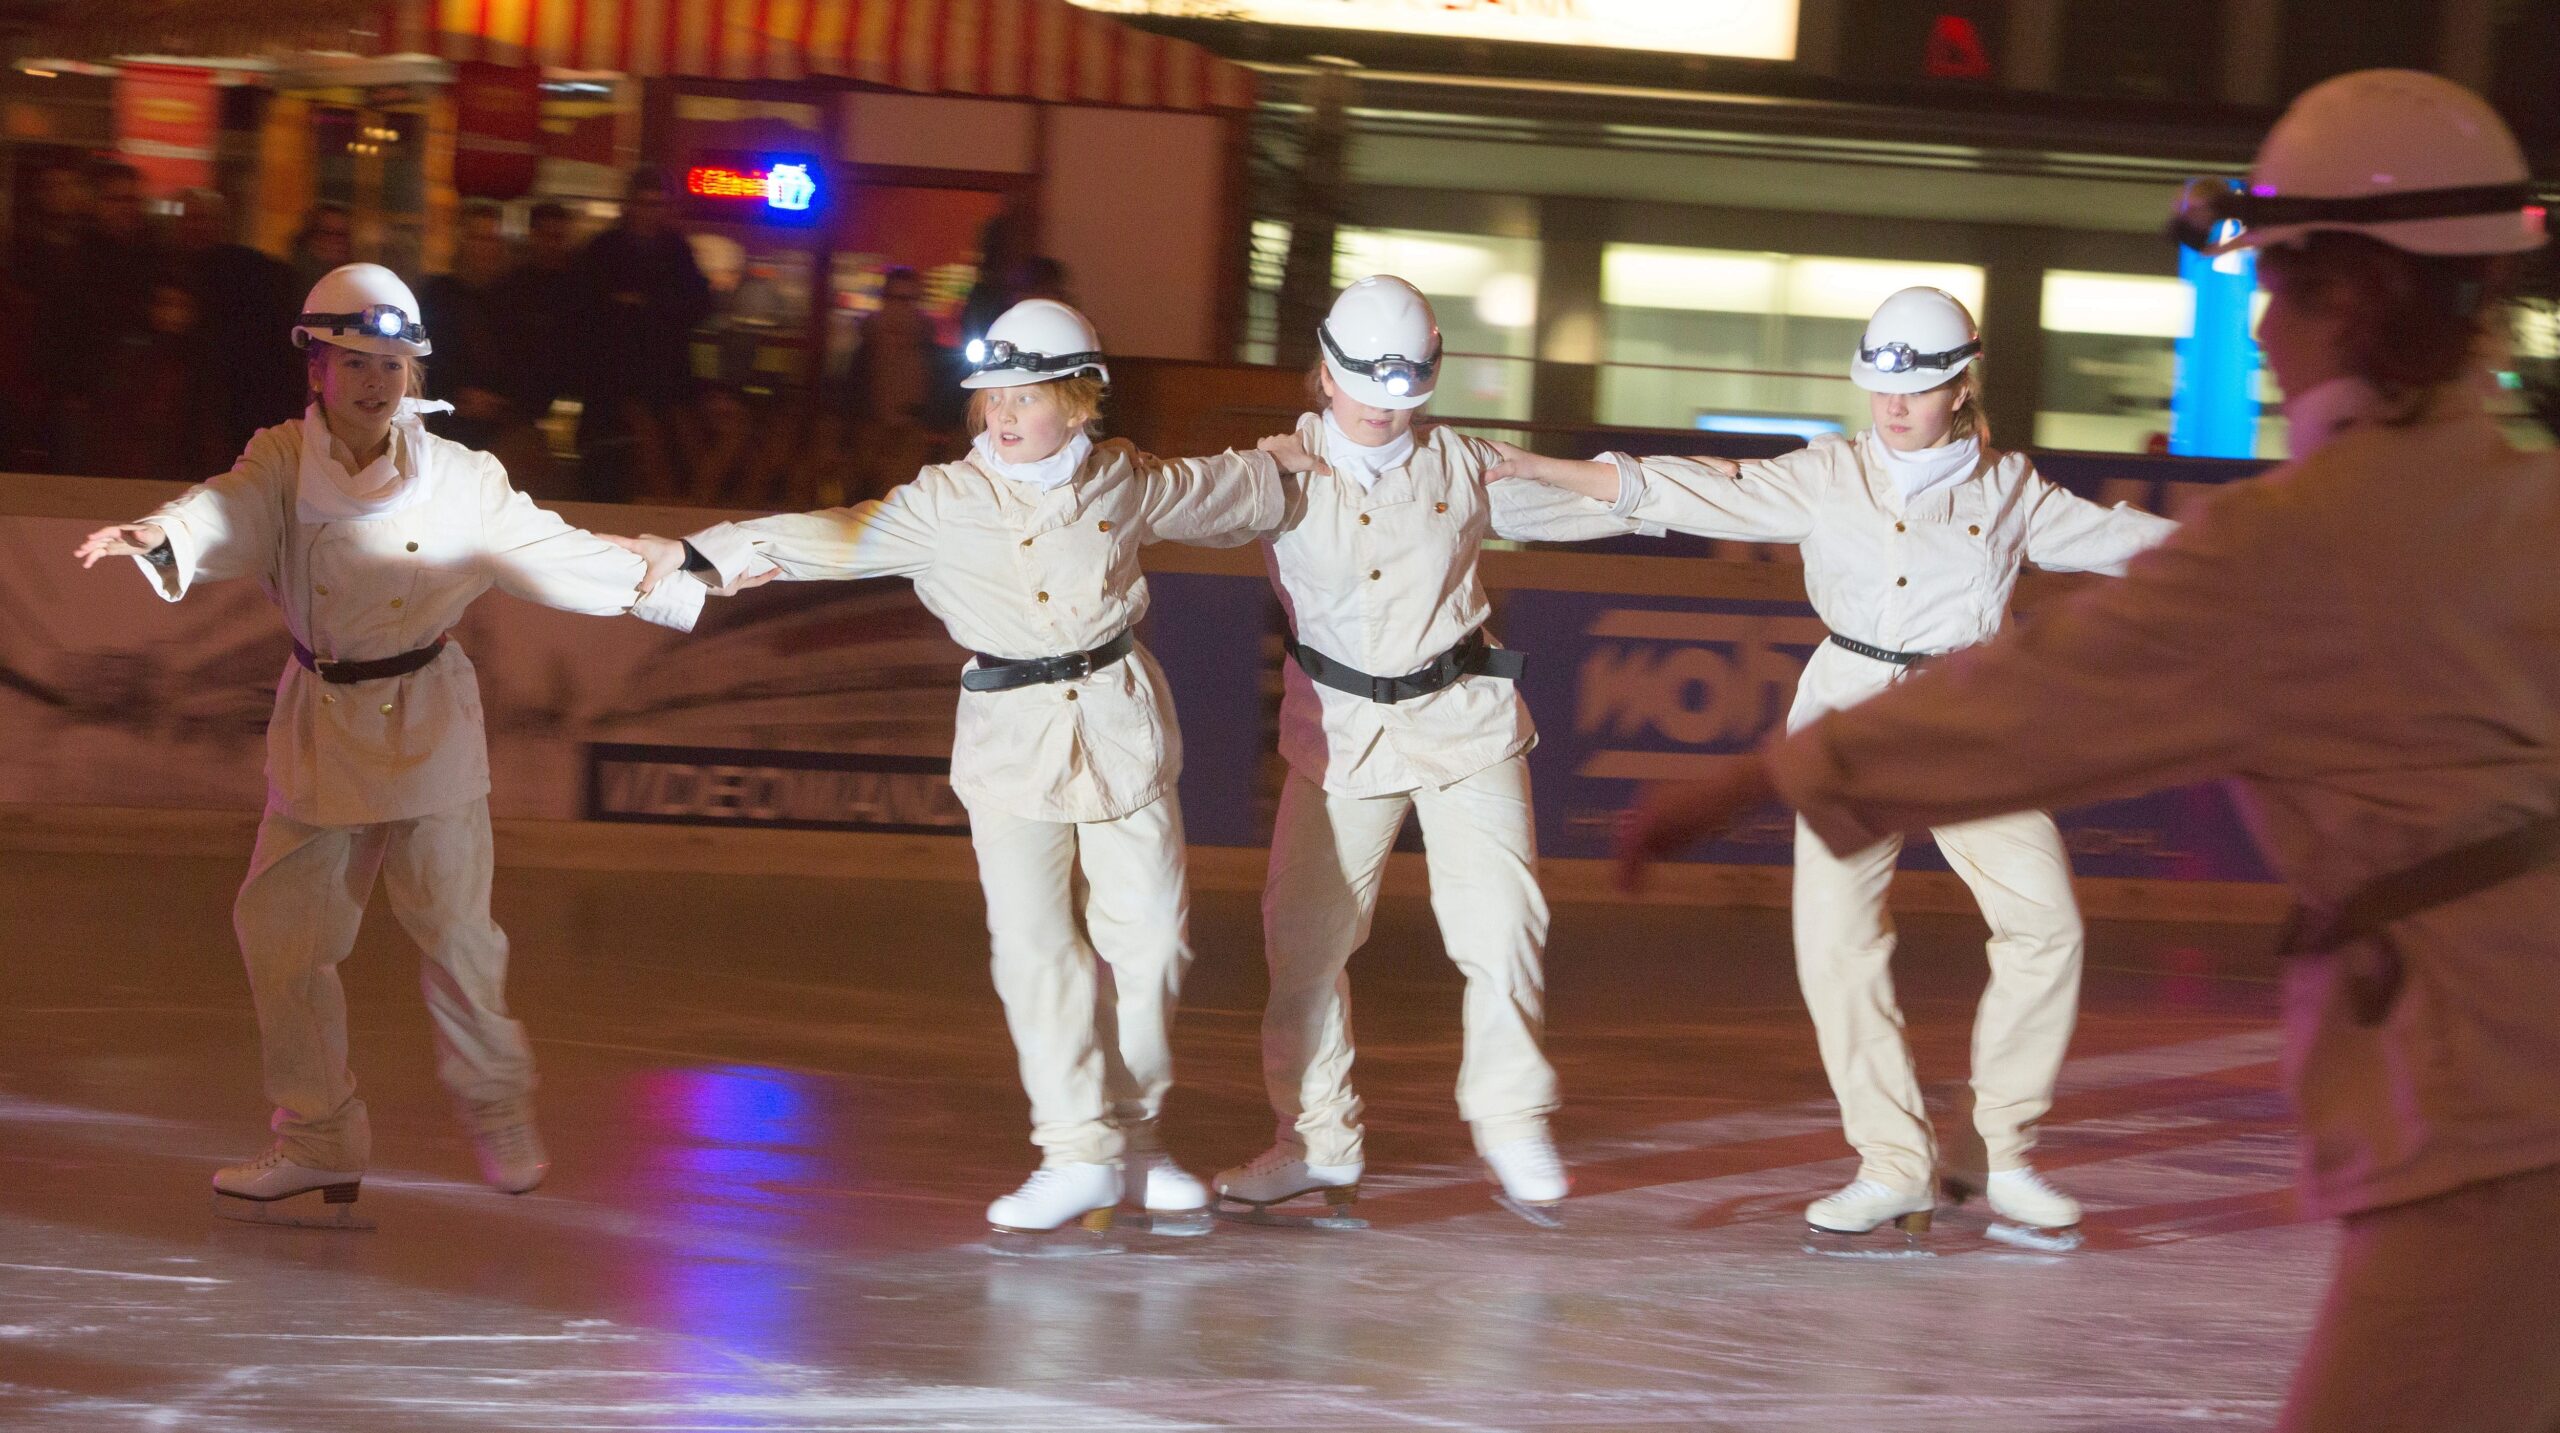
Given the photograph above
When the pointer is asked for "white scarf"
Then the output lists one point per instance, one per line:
(1929, 469)
(1049, 472)
(2312, 420)
(1359, 462)
(324, 491)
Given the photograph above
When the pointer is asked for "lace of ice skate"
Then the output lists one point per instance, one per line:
(2028, 1179)
(1534, 1159)
(1269, 1161)
(274, 1158)
(1040, 1179)
(510, 1144)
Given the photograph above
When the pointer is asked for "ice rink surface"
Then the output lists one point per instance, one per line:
(777, 1110)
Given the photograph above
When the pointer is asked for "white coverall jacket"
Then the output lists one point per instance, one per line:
(1056, 772)
(386, 777)
(1385, 581)
(1931, 574)
(2369, 641)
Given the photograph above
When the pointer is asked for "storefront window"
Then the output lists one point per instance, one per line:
(2110, 359)
(1745, 342)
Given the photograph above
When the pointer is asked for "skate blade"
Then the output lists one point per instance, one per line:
(1544, 1216)
(1338, 1204)
(2027, 1236)
(335, 1209)
(1077, 1238)
(1903, 1242)
(1174, 1223)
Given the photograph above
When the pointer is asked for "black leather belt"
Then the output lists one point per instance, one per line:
(2359, 925)
(1473, 656)
(380, 669)
(998, 674)
(1883, 654)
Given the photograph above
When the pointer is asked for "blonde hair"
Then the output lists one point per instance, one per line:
(1969, 421)
(1079, 396)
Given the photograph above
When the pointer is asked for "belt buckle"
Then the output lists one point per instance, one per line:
(321, 666)
(1382, 690)
(1074, 665)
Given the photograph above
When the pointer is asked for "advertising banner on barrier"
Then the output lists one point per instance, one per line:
(1633, 689)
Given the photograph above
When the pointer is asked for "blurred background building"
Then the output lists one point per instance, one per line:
(1661, 214)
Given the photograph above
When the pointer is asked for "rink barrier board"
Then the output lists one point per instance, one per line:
(1210, 588)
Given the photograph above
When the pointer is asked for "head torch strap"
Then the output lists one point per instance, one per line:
(1912, 359)
(2206, 208)
(1368, 367)
(367, 322)
(1010, 357)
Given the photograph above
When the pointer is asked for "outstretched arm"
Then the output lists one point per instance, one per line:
(1218, 501)
(534, 553)
(227, 526)
(892, 536)
(2069, 533)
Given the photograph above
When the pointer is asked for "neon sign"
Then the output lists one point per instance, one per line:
(783, 189)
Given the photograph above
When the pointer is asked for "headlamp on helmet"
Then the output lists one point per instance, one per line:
(997, 355)
(1899, 357)
(1398, 375)
(372, 321)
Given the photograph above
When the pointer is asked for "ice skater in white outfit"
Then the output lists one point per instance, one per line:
(372, 535)
(1396, 700)
(2368, 641)
(1066, 753)
(1913, 534)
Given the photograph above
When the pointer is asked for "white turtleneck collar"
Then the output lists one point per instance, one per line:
(1360, 463)
(2315, 418)
(1926, 471)
(402, 478)
(1049, 472)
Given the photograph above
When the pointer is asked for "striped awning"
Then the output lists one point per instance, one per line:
(1020, 49)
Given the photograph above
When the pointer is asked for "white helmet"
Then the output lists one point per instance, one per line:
(1381, 343)
(1918, 339)
(1034, 341)
(363, 306)
(2409, 158)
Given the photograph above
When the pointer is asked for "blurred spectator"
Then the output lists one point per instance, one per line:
(326, 240)
(469, 326)
(637, 296)
(159, 409)
(494, 352)
(1003, 243)
(896, 365)
(246, 303)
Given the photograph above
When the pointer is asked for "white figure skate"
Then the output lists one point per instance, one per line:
(1280, 1174)
(1055, 1196)
(1532, 1178)
(2028, 1212)
(512, 1159)
(269, 1190)
(1175, 1202)
(1836, 1223)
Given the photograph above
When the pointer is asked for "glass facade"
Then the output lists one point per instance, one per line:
(1741, 341)
(1483, 289)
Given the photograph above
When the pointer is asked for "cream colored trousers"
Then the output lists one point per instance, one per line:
(1094, 1040)
(1328, 854)
(2020, 874)
(297, 916)
(2441, 1317)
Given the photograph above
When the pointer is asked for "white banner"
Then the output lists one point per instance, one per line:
(1742, 29)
